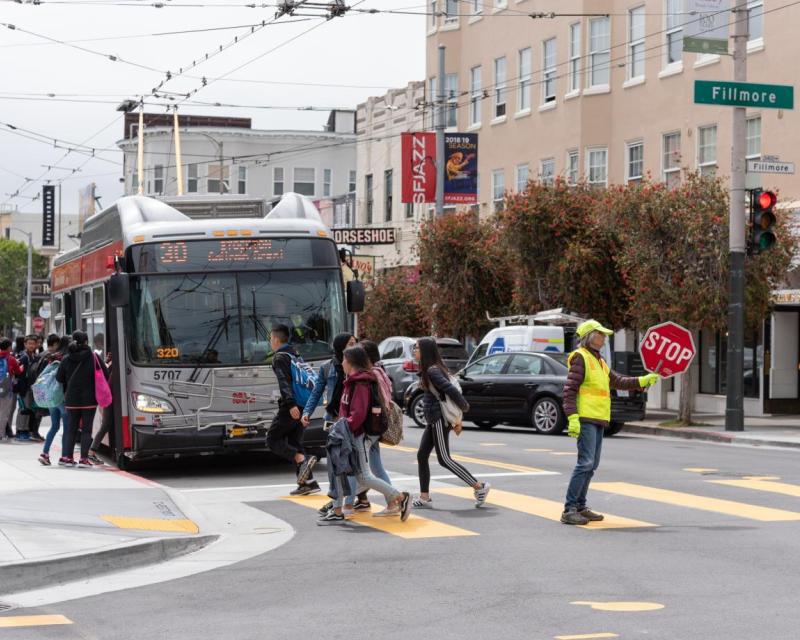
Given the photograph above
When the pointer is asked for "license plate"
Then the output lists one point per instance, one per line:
(238, 432)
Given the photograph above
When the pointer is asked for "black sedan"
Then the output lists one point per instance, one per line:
(523, 389)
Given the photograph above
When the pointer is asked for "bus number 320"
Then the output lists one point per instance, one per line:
(164, 353)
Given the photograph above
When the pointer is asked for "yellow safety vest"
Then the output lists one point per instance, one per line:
(594, 395)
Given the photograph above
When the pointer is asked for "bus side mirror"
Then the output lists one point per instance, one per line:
(355, 296)
(119, 290)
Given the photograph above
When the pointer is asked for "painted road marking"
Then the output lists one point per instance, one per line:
(416, 527)
(486, 463)
(538, 450)
(700, 470)
(493, 444)
(587, 636)
(766, 483)
(32, 621)
(563, 453)
(692, 501)
(178, 525)
(621, 606)
(549, 509)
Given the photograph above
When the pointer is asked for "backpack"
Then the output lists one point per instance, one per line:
(394, 432)
(377, 421)
(47, 391)
(5, 378)
(451, 412)
(302, 380)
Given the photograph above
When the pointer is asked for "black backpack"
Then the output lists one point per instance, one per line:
(377, 421)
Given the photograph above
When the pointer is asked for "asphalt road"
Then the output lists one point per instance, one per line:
(707, 547)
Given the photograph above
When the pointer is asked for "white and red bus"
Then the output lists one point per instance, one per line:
(185, 308)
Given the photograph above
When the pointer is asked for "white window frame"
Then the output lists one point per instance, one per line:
(636, 43)
(433, 17)
(632, 176)
(312, 182)
(451, 99)
(327, 182)
(592, 180)
(499, 103)
(748, 154)
(497, 202)
(673, 32)
(574, 58)
(352, 181)
(192, 178)
(759, 39)
(212, 170)
(451, 18)
(241, 180)
(599, 66)
(667, 168)
(475, 97)
(158, 179)
(275, 181)
(573, 168)
(549, 74)
(523, 174)
(524, 73)
(703, 165)
(547, 170)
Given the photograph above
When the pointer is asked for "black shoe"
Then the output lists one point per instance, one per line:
(35, 437)
(304, 473)
(362, 505)
(306, 489)
(330, 518)
(325, 508)
(571, 516)
(591, 515)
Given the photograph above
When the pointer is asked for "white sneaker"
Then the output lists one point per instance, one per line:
(387, 512)
(481, 494)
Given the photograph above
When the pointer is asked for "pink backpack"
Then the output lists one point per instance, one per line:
(102, 392)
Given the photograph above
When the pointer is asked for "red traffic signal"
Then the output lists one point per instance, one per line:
(766, 200)
(762, 204)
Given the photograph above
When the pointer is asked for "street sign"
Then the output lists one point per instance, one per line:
(44, 311)
(40, 289)
(770, 166)
(744, 94)
(364, 235)
(706, 28)
(38, 324)
(667, 349)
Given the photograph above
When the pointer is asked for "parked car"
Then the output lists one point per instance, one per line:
(525, 389)
(403, 369)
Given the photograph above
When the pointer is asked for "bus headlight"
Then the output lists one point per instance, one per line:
(150, 404)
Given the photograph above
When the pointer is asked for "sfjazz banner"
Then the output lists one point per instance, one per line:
(48, 215)
(461, 168)
(419, 167)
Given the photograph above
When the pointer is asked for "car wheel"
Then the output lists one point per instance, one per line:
(613, 429)
(485, 424)
(547, 416)
(417, 411)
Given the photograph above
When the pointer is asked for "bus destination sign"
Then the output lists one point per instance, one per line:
(364, 235)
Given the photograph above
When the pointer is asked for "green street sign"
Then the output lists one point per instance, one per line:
(744, 94)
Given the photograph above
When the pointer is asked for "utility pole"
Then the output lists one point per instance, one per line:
(734, 406)
(221, 186)
(439, 117)
(59, 218)
(178, 159)
(140, 151)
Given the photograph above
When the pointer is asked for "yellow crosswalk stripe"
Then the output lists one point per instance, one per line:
(549, 509)
(414, 528)
(692, 501)
(178, 525)
(478, 461)
(32, 621)
(763, 484)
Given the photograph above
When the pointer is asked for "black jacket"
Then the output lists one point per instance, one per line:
(282, 366)
(30, 366)
(76, 373)
(443, 387)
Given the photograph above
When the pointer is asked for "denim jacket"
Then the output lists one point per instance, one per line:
(324, 383)
(341, 447)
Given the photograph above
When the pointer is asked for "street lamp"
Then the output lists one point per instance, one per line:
(219, 155)
(28, 316)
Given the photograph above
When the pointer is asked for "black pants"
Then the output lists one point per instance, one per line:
(105, 427)
(82, 419)
(437, 436)
(285, 437)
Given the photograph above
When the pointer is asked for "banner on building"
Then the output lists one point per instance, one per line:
(706, 29)
(85, 204)
(461, 168)
(48, 215)
(365, 265)
(418, 167)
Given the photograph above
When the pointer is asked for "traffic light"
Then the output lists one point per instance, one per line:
(762, 216)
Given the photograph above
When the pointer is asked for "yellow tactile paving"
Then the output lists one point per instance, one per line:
(763, 484)
(32, 621)
(692, 501)
(549, 509)
(416, 527)
(481, 461)
(178, 525)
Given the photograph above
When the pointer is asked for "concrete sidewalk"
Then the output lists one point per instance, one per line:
(774, 431)
(59, 524)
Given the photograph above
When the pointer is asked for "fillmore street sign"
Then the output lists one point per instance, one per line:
(744, 94)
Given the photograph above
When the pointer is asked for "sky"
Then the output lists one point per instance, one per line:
(367, 52)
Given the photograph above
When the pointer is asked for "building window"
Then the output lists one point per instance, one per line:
(500, 4)
(477, 7)
(573, 167)
(368, 196)
(634, 162)
(192, 178)
(753, 180)
(434, 100)
(599, 51)
(547, 171)
(277, 181)
(327, 175)
(524, 85)
(135, 182)
(213, 183)
(451, 10)
(498, 188)
(755, 20)
(523, 174)
(387, 191)
(707, 150)
(597, 163)
(476, 96)
(671, 162)
(451, 89)
(574, 57)
(549, 64)
(241, 186)
(304, 181)
(351, 184)
(499, 87)
(409, 210)
(433, 15)
(158, 179)
(674, 31)
(636, 43)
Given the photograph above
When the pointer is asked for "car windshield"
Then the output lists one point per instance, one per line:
(225, 318)
(453, 352)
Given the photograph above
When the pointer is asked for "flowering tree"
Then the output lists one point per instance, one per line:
(394, 307)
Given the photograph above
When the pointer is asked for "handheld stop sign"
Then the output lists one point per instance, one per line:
(667, 349)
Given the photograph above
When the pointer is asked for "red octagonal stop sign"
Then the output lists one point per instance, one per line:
(667, 349)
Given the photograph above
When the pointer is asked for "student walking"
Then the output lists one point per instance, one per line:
(587, 403)
(357, 409)
(285, 436)
(28, 418)
(58, 414)
(76, 373)
(9, 368)
(435, 382)
(107, 422)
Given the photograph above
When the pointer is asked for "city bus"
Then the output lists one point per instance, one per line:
(183, 307)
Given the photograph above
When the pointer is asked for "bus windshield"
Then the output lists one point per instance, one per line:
(225, 318)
